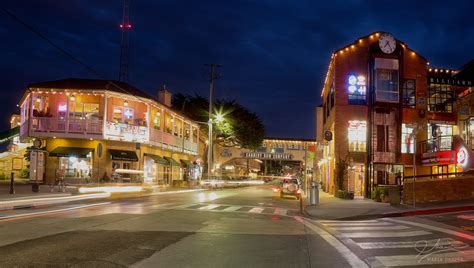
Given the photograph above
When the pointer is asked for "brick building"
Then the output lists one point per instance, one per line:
(381, 102)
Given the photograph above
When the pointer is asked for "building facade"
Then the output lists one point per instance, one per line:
(276, 157)
(385, 111)
(108, 130)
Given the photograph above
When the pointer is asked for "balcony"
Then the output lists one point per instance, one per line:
(52, 126)
(438, 151)
(443, 143)
(172, 142)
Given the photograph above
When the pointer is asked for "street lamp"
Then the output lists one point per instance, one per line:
(219, 117)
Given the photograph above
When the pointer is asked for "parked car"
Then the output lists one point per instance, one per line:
(290, 187)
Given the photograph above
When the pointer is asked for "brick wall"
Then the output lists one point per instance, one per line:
(439, 190)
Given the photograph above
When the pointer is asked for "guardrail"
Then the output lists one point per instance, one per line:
(442, 143)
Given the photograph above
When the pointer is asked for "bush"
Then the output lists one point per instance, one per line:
(24, 173)
(2, 176)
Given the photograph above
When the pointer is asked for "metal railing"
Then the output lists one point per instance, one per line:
(442, 143)
(54, 124)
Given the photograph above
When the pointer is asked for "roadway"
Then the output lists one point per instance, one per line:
(245, 227)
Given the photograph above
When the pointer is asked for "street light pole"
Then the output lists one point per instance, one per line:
(212, 77)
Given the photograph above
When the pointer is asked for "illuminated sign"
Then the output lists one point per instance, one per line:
(462, 157)
(267, 155)
(357, 85)
(125, 132)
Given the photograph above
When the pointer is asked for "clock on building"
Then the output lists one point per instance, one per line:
(387, 43)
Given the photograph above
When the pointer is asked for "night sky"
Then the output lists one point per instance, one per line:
(274, 53)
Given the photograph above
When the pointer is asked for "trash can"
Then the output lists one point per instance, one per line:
(394, 193)
(314, 194)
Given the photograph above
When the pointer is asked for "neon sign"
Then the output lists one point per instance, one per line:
(357, 85)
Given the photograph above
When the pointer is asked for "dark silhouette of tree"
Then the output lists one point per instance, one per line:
(240, 127)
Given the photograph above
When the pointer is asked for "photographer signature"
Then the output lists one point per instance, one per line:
(426, 248)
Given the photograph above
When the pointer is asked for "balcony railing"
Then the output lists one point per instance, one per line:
(442, 143)
(57, 125)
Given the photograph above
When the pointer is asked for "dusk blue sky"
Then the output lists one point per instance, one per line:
(274, 53)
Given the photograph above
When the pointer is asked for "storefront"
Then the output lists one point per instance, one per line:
(123, 161)
(356, 179)
(73, 162)
(154, 168)
(173, 171)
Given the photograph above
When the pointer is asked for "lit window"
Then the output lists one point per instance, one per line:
(408, 142)
(357, 135)
(440, 98)
(117, 115)
(128, 116)
(386, 80)
(356, 88)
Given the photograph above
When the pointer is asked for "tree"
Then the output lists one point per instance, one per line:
(240, 127)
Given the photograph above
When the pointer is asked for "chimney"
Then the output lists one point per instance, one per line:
(164, 96)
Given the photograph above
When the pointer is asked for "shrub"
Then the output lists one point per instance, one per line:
(24, 173)
(2, 176)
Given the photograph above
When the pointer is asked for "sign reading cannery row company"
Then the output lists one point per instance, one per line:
(267, 156)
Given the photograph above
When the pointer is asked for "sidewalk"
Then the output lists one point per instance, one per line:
(332, 208)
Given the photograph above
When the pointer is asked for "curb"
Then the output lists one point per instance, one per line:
(402, 213)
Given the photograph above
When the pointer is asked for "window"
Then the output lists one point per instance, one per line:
(157, 120)
(168, 123)
(357, 135)
(409, 93)
(128, 116)
(117, 115)
(440, 98)
(386, 80)
(408, 141)
(91, 111)
(356, 88)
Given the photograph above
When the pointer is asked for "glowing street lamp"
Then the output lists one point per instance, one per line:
(219, 118)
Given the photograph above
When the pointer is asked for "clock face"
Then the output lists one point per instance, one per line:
(387, 43)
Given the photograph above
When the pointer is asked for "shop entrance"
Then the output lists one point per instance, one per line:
(356, 180)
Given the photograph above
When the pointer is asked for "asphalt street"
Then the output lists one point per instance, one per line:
(246, 227)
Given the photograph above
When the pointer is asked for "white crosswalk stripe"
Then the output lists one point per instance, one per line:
(256, 210)
(231, 208)
(209, 207)
(445, 241)
(384, 234)
(370, 228)
(358, 224)
(280, 211)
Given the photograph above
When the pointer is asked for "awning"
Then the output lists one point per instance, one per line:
(172, 161)
(123, 155)
(70, 151)
(158, 159)
(186, 163)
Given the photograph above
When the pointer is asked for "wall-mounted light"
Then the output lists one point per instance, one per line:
(72, 98)
(125, 103)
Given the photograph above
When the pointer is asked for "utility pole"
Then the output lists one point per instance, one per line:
(125, 27)
(212, 76)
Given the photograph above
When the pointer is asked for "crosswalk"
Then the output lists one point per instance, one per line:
(387, 243)
(231, 208)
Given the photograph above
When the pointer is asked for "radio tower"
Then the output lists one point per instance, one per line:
(125, 27)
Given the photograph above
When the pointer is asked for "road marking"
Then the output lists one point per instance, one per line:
(348, 255)
(39, 213)
(445, 241)
(232, 208)
(434, 228)
(370, 228)
(385, 234)
(358, 224)
(443, 258)
(336, 221)
(280, 211)
(256, 210)
(209, 207)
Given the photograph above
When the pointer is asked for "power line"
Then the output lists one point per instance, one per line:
(63, 51)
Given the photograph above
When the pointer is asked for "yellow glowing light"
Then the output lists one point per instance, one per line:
(371, 37)
(352, 46)
(347, 49)
(360, 40)
(377, 34)
(431, 69)
(436, 70)
(72, 98)
(125, 103)
(413, 53)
